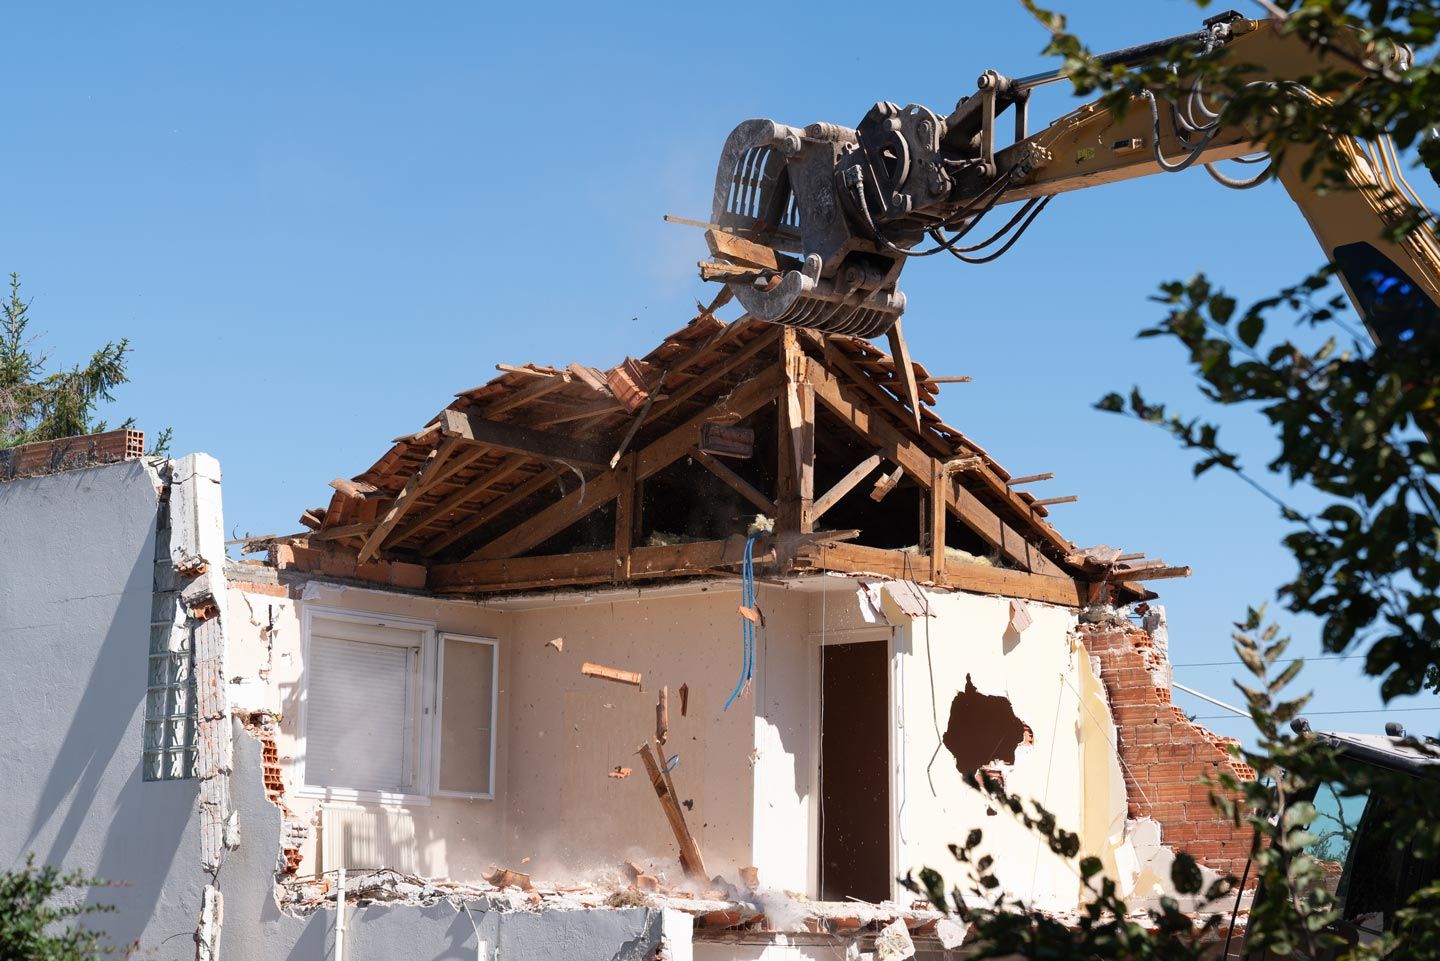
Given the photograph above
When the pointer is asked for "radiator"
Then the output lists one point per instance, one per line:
(366, 838)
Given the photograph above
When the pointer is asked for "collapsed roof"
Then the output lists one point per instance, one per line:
(657, 467)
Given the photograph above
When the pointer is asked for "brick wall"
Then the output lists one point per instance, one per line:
(262, 726)
(1163, 755)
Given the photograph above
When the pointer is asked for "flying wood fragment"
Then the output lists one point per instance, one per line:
(662, 716)
(610, 674)
(556, 642)
(620, 773)
(506, 878)
(684, 700)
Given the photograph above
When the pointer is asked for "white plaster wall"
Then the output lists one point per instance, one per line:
(77, 556)
(1039, 672)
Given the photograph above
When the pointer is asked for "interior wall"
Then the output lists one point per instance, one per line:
(968, 642)
(567, 732)
(455, 837)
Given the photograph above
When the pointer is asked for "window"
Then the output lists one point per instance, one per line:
(391, 712)
(466, 722)
(362, 684)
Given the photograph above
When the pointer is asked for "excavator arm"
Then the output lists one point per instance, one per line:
(812, 227)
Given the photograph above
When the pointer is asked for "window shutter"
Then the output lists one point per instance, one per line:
(358, 708)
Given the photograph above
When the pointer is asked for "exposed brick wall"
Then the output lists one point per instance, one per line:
(1163, 755)
(262, 726)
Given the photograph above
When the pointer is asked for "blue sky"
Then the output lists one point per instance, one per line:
(317, 222)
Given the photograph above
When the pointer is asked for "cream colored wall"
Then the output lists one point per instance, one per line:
(567, 731)
(1040, 674)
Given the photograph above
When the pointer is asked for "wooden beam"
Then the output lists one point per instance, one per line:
(1067, 499)
(491, 511)
(939, 486)
(1028, 479)
(469, 492)
(965, 379)
(974, 578)
(624, 516)
(414, 487)
(522, 440)
(737, 483)
(748, 252)
(691, 861)
(844, 401)
(795, 467)
(340, 532)
(527, 394)
(905, 370)
(843, 486)
(1151, 573)
(700, 381)
(885, 483)
(660, 453)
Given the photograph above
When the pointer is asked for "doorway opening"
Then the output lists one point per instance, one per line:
(854, 815)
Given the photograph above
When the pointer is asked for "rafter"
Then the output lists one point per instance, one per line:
(737, 483)
(414, 487)
(491, 511)
(469, 492)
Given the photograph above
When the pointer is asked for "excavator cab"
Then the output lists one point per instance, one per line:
(1371, 872)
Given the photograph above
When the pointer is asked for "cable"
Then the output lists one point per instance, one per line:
(1372, 710)
(985, 196)
(1019, 232)
(1195, 149)
(1236, 184)
(747, 626)
(1283, 660)
(1024, 209)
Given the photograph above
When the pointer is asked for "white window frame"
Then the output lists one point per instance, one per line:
(494, 646)
(424, 697)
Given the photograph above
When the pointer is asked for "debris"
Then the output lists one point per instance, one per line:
(951, 933)
(886, 483)
(506, 878)
(619, 773)
(762, 525)
(690, 858)
(662, 716)
(1050, 501)
(689, 804)
(525, 859)
(750, 876)
(684, 700)
(893, 943)
(750, 614)
(610, 673)
(1020, 616)
(556, 642)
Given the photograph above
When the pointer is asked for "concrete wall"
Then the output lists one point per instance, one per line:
(77, 559)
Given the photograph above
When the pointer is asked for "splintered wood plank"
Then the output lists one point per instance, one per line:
(624, 515)
(1151, 573)
(414, 487)
(905, 370)
(844, 486)
(691, 861)
(747, 252)
(521, 440)
(611, 674)
(939, 484)
(1030, 479)
(737, 483)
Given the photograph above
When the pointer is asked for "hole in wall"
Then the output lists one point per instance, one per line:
(983, 730)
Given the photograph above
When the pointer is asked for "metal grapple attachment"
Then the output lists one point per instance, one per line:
(784, 243)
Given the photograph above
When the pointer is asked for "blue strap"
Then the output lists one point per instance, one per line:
(747, 626)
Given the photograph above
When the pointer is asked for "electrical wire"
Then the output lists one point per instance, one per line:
(990, 196)
(1024, 209)
(1370, 710)
(1237, 184)
(747, 626)
(1283, 660)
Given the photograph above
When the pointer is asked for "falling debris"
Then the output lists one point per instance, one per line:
(690, 858)
(525, 859)
(662, 716)
(1020, 616)
(886, 483)
(556, 642)
(750, 876)
(750, 614)
(610, 674)
(620, 773)
(684, 700)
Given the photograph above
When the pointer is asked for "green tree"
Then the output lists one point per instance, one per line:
(35, 405)
(1357, 426)
(41, 912)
